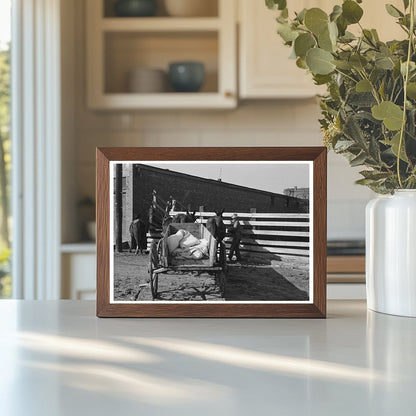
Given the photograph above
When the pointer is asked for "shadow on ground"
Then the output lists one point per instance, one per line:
(259, 277)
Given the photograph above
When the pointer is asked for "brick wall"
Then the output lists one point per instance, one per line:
(213, 195)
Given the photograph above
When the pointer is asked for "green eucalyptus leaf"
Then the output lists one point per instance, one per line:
(347, 37)
(393, 11)
(368, 36)
(381, 187)
(282, 4)
(334, 91)
(374, 174)
(385, 50)
(342, 25)
(375, 35)
(344, 65)
(303, 43)
(374, 151)
(412, 67)
(384, 62)
(271, 4)
(336, 12)
(411, 90)
(377, 75)
(301, 63)
(321, 79)
(394, 145)
(399, 47)
(365, 182)
(325, 42)
(406, 4)
(287, 33)
(343, 145)
(354, 132)
(382, 89)
(320, 61)
(388, 112)
(281, 19)
(361, 100)
(301, 15)
(358, 61)
(351, 11)
(276, 4)
(333, 32)
(363, 86)
(358, 160)
(316, 20)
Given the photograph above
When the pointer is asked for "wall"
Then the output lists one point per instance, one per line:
(212, 195)
(254, 123)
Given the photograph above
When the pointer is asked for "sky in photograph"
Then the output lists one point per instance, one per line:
(4, 22)
(273, 177)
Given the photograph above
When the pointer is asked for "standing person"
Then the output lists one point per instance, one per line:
(235, 231)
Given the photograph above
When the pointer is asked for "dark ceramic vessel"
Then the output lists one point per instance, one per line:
(186, 76)
(135, 8)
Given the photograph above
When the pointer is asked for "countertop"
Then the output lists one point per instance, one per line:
(57, 358)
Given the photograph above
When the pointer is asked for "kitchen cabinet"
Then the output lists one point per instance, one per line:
(118, 45)
(265, 70)
(78, 262)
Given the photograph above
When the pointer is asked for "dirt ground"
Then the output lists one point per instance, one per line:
(262, 277)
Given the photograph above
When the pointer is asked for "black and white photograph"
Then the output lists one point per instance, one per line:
(211, 231)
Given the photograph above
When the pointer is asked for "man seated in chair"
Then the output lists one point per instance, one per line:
(235, 231)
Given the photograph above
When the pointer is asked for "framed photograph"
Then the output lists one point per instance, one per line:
(211, 232)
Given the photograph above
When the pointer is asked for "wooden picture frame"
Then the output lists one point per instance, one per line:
(314, 157)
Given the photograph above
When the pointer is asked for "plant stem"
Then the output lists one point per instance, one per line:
(406, 80)
(373, 88)
(392, 91)
(346, 75)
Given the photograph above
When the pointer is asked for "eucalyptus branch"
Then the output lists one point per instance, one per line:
(406, 80)
(398, 95)
(346, 75)
(392, 90)
(373, 88)
(385, 96)
(404, 28)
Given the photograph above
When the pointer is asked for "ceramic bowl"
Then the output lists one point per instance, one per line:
(147, 80)
(186, 76)
(135, 8)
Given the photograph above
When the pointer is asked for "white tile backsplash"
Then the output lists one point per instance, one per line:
(341, 180)
(170, 138)
(346, 219)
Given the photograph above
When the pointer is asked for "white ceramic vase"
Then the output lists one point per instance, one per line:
(391, 253)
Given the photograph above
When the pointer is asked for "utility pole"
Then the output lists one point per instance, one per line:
(119, 207)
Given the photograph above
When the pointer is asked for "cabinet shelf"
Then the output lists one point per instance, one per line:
(116, 46)
(160, 24)
(198, 100)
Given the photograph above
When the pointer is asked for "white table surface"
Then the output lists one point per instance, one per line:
(57, 358)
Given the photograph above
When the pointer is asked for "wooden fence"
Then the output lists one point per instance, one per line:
(277, 233)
